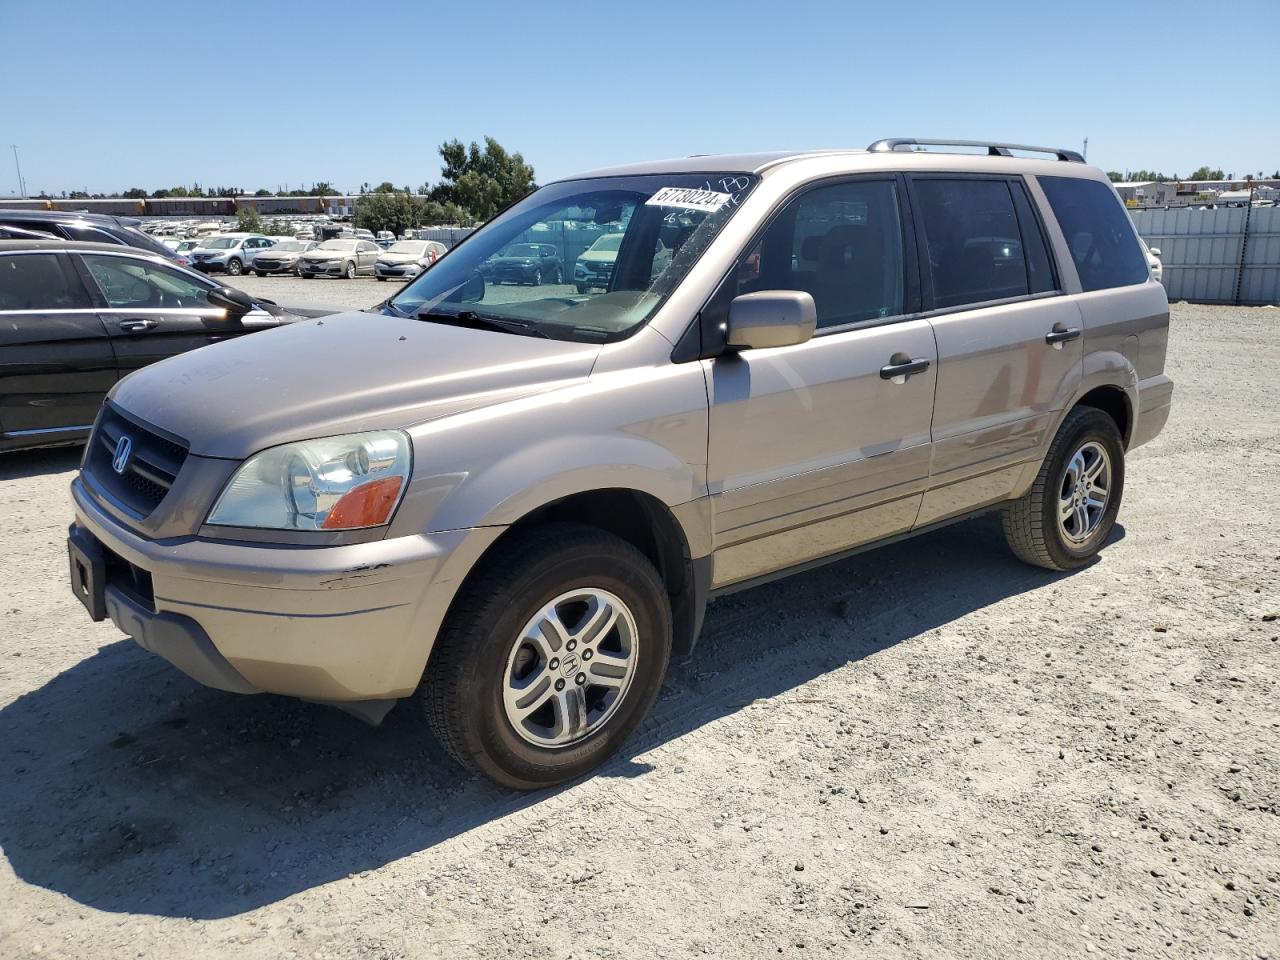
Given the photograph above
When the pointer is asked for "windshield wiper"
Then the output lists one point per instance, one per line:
(469, 318)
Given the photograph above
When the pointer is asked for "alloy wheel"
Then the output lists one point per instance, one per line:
(570, 668)
(1084, 492)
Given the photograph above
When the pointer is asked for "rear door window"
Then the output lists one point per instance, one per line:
(975, 251)
(37, 281)
(1099, 234)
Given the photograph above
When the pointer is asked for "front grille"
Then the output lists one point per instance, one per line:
(149, 470)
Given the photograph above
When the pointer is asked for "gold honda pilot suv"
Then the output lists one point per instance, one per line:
(513, 503)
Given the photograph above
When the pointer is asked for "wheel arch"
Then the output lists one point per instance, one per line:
(1115, 402)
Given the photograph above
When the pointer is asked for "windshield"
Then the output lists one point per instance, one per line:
(337, 245)
(290, 246)
(221, 243)
(611, 243)
(523, 266)
(415, 247)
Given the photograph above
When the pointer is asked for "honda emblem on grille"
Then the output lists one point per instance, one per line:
(120, 459)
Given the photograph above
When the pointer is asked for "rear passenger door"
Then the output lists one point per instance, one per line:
(56, 363)
(1009, 343)
(822, 446)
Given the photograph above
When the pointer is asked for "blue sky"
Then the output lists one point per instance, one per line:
(105, 96)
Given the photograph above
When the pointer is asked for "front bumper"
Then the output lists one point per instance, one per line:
(330, 268)
(397, 271)
(273, 266)
(209, 266)
(339, 623)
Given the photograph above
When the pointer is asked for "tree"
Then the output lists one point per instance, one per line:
(262, 192)
(248, 220)
(1115, 176)
(396, 212)
(77, 195)
(1204, 173)
(386, 186)
(134, 193)
(434, 213)
(482, 181)
(323, 189)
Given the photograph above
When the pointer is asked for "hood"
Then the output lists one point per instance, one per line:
(599, 256)
(322, 255)
(340, 374)
(401, 257)
(278, 255)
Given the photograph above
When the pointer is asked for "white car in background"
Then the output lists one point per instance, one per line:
(405, 259)
(1153, 261)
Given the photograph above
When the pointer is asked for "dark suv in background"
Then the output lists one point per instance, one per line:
(76, 317)
(86, 227)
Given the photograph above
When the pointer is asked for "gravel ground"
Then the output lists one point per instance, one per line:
(926, 751)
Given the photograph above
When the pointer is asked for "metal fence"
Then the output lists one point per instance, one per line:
(1223, 255)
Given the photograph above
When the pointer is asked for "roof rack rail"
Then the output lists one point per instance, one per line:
(993, 149)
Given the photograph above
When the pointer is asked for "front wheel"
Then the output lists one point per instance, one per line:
(260, 273)
(235, 267)
(1067, 515)
(380, 276)
(350, 272)
(550, 656)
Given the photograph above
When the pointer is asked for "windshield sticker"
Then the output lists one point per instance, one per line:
(689, 198)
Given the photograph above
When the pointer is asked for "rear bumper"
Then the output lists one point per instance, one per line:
(1155, 400)
(338, 623)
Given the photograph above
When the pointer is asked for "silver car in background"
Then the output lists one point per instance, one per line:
(340, 257)
(282, 258)
(405, 259)
(229, 252)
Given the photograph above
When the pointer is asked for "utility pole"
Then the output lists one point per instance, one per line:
(22, 184)
(1086, 149)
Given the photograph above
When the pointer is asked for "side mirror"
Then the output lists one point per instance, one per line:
(236, 302)
(771, 318)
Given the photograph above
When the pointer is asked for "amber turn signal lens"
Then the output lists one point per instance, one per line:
(367, 505)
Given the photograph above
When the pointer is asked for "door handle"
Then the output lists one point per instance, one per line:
(892, 370)
(138, 326)
(1060, 336)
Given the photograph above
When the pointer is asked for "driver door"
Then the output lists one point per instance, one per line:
(152, 311)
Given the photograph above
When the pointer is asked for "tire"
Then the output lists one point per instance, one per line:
(379, 276)
(235, 267)
(582, 287)
(537, 278)
(307, 276)
(555, 276)
(259, 273)
(479, 650)
(350, 272)
(1031, 523)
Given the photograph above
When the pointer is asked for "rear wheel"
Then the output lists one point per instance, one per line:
(1067, 515)
(551, 655)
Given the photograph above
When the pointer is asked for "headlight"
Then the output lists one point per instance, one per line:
(338, 483)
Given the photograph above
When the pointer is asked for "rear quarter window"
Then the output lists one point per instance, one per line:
(1098, 231)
